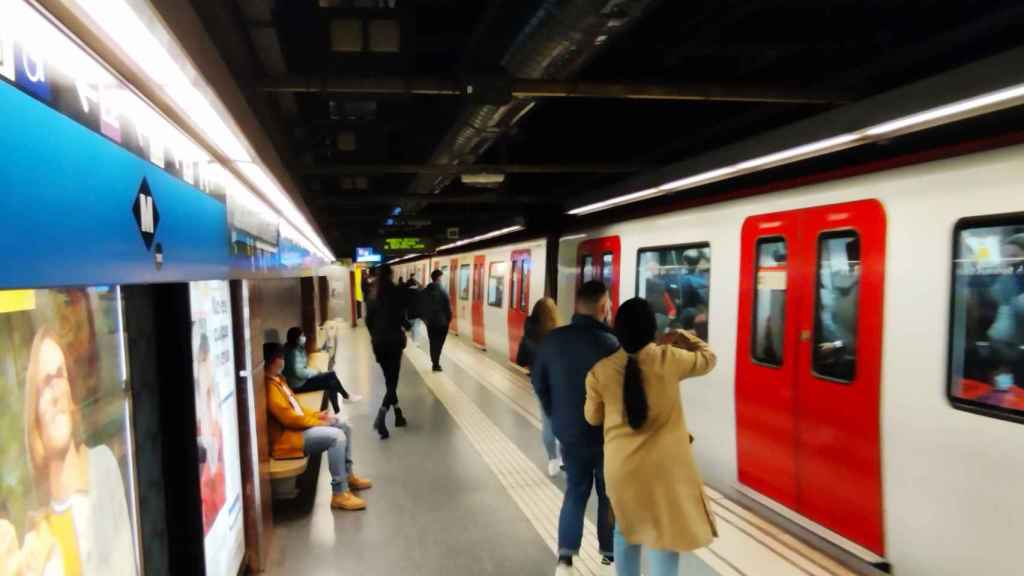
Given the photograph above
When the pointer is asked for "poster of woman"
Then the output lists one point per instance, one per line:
(63, 437)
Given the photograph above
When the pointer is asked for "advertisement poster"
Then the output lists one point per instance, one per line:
(217, 426)
(66, 478)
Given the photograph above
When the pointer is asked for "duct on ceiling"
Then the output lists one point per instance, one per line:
(557, 42)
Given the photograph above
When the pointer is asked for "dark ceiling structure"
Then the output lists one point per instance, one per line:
(410, 117)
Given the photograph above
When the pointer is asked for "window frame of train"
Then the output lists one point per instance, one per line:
(465, 281)
(957, 335)
(774, 239)
(821, 241)
(497, 281)
(682, 248)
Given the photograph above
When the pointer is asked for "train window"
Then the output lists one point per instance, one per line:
(987, 334)
(524, 287)
(496, 284)
(588, 268)
(675, 281)
(464, 282)
(607, 267)
(516, 281)
(770, 301)
(835, 314)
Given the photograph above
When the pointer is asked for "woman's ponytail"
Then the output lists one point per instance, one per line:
(635, 326)
(633, 394)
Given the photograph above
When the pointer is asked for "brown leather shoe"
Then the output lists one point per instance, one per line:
(347, 501)
(358, 483)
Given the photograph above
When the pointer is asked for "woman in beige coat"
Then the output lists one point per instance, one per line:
(655, 488)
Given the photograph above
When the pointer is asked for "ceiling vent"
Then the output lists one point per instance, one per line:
(483, 180)
(345, 141)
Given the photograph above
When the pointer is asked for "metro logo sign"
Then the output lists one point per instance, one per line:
(146, 214)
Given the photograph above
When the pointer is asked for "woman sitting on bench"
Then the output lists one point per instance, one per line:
(302, 378)
(296, 432)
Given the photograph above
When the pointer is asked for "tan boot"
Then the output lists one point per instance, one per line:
(358, 483)
(347, 501)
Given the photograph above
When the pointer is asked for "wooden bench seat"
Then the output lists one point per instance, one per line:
(282, 469)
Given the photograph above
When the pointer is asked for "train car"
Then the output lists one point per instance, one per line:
(869, 384)
(491, 290)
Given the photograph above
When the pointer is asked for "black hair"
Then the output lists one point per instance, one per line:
(435, 275)
(635, 326)
(292, 338)
(591, 293)
(271, 351)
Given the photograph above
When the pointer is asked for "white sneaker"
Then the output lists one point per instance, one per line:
(554, 467)
(353, 398)
(564, 570)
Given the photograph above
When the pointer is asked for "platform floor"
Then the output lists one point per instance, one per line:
(464, 491)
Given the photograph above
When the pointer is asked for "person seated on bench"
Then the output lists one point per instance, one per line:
(302, 378)
(295, 432)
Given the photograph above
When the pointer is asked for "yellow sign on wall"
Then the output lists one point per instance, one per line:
(17, 300)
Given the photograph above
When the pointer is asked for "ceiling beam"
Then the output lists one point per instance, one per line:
(492, 197)
(456, 170)
(532, 89)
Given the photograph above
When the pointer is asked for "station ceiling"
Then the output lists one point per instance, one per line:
(407, 118)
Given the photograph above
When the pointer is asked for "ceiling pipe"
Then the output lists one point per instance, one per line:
(559, 40)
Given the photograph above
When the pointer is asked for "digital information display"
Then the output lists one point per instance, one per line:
(406, 244)
(368, 255)
(66, 480)
(217, 427)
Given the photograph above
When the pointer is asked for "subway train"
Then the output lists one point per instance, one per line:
(869, 332)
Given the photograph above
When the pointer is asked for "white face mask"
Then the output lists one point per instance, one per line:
(302, 340)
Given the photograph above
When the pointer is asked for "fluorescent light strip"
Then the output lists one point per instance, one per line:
(975, 106)
(481, 237)
(404, 258)
(122, 25)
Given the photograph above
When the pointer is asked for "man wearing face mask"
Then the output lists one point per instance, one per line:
(302, 378)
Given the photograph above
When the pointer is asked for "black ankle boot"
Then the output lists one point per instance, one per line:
(380, 425)
(399, 418)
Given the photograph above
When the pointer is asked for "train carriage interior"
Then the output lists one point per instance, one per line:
(583, 287)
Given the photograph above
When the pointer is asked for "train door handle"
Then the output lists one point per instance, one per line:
(805, 335)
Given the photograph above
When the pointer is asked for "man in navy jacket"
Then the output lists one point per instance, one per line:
(559, 376)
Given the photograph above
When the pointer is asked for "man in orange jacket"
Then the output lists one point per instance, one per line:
(297, 432)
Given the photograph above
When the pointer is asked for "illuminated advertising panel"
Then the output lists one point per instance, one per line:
(220, 477)
(66, 474)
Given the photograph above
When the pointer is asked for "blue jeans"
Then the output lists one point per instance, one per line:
(336, 440)
(548, 436)
(627, 559)
(584, 468)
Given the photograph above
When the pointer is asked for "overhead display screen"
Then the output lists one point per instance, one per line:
(367, 254)
(66, 474)
(217, 427)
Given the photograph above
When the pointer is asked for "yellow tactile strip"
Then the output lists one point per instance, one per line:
(747, 543)
(536, 496)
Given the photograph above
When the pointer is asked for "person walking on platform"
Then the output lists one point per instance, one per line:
(541, 321)
(435, 309)
(297, 432)
(653, 482)
(559, 377)
(302, 378)
(386, 321)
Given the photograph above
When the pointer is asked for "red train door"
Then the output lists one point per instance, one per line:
(599, 259)
(765, 403)
(519, 301)
(478, 300)
(453, 294)
(808, 415)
